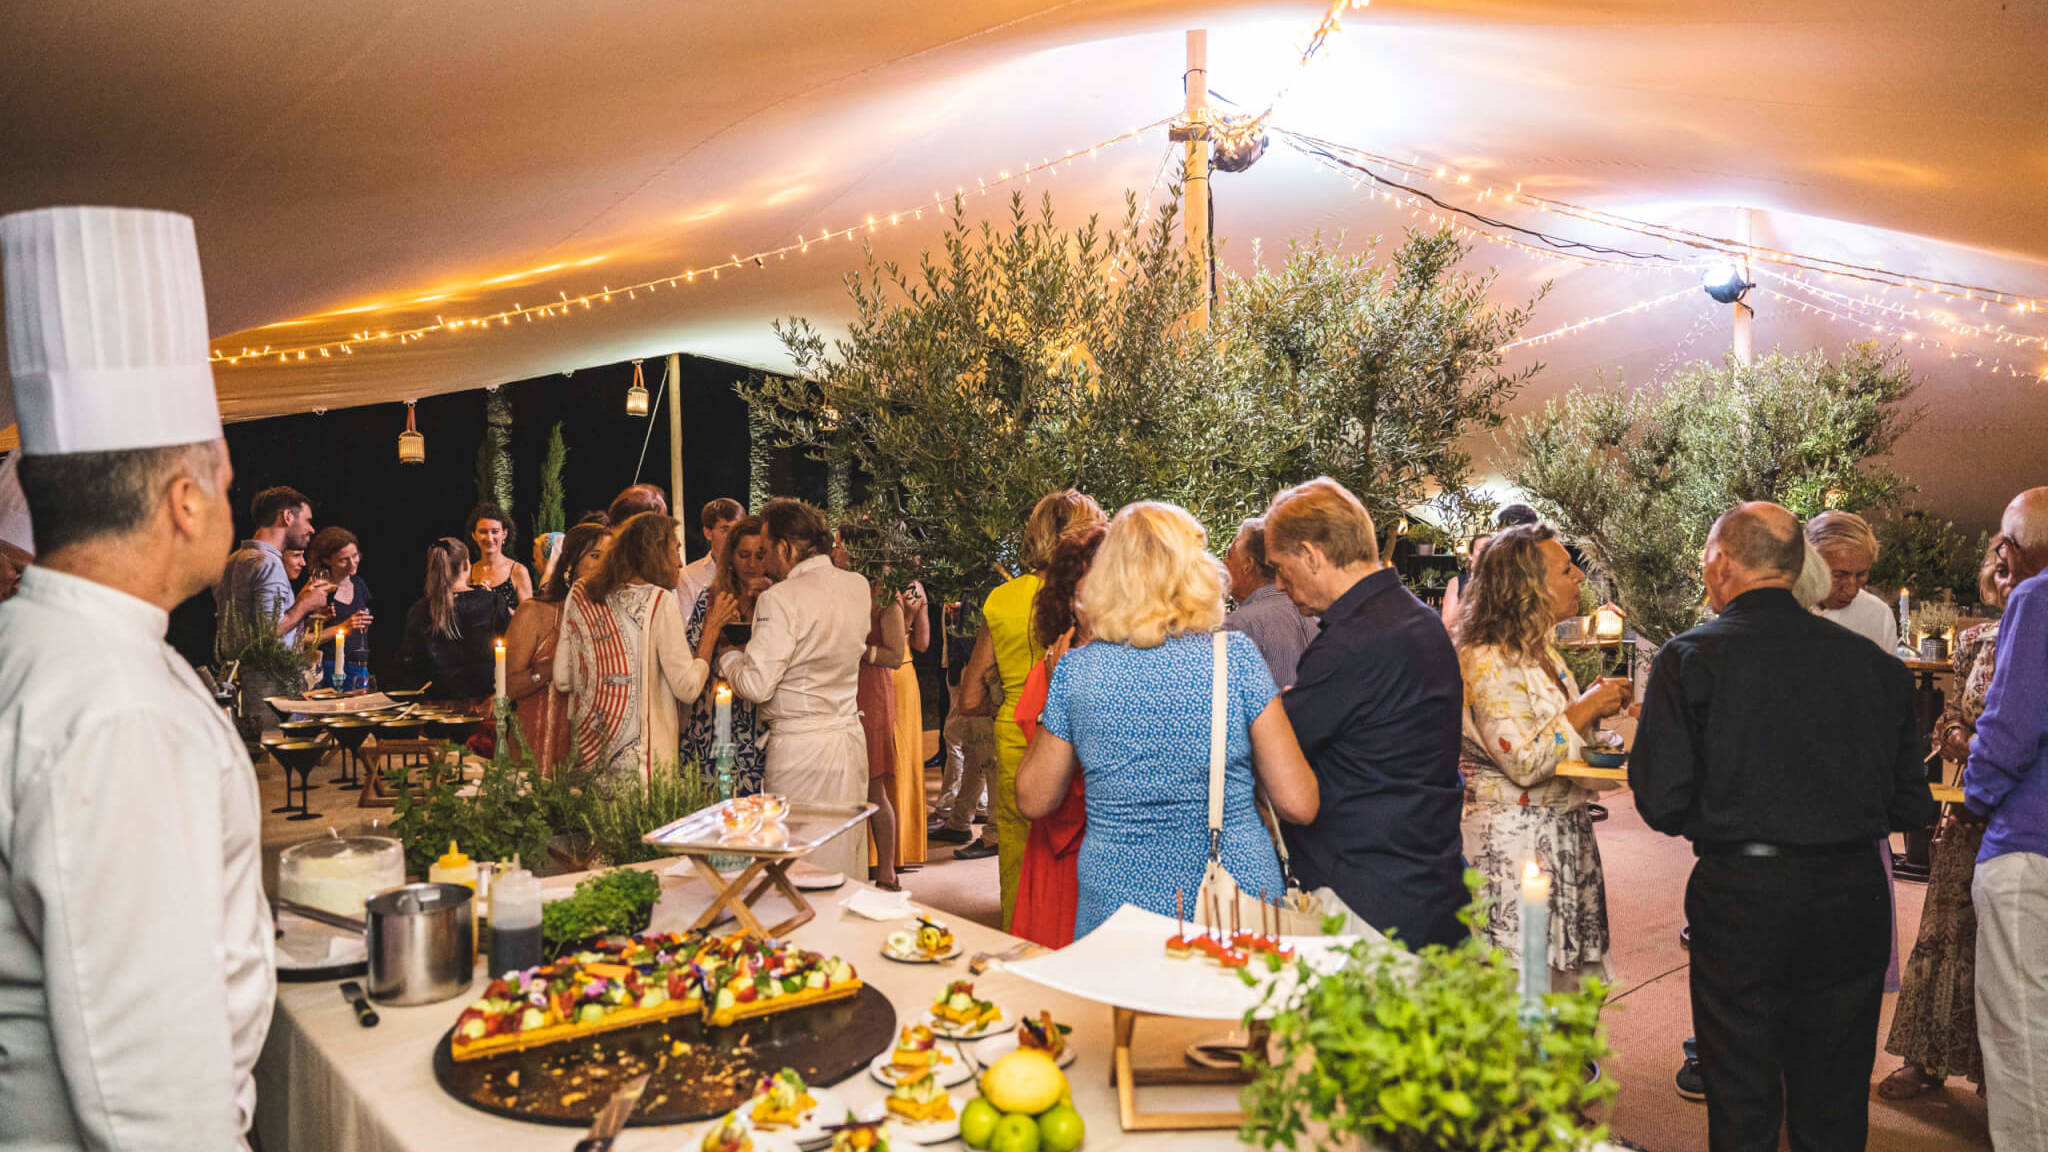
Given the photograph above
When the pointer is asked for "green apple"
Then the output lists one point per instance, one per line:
(1015, 1132)
(1061, 1129)
(978, 1122)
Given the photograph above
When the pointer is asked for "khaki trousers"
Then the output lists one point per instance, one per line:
(2011, 896)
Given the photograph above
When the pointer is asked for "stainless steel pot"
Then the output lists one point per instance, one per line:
(422, 943)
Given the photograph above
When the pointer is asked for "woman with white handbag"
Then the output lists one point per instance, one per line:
(1149, 711)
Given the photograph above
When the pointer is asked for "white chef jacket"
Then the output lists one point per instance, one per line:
(802, 666)
(1870, 618)
(136, 969)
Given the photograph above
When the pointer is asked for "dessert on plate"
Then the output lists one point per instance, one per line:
(920, 1100)
(1043, 1034)
(728, 1135)
(959, 1006)
(917, 1052)
(782, 1100)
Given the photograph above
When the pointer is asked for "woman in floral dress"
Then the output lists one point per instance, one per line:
(1934, 1025)
(742, 575)
(1525, 715)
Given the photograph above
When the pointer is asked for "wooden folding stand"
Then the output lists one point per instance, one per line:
(770, 873)
(1128, 1077)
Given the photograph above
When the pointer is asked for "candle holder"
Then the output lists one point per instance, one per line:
(721, 760)
(501, 712)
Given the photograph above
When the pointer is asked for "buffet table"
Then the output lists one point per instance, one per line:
(324, 1082)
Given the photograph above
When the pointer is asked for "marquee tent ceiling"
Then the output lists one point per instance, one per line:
(370, 165)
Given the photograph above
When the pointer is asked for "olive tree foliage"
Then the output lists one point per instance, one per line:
(1023, 357)
(1639, 475)
(1374, 371)
(1014, 361)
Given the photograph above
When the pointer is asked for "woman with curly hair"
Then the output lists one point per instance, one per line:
(1525, 715)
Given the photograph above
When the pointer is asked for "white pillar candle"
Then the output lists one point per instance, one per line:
(498, 682)
(340, 656)
(1906, 614)
(722, 716)
(1535, 939)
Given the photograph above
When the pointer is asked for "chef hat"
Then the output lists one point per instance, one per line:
(106, 330)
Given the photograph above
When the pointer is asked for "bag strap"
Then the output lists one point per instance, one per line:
(1217, 681)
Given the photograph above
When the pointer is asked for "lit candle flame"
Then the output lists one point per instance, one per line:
(1530, 872)
(724, 694)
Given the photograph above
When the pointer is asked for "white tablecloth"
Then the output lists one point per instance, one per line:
(325, 1082)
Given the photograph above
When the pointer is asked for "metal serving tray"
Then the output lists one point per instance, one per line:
(798, 834)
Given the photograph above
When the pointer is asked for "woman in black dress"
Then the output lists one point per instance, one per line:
(490, 533)
(451, 631)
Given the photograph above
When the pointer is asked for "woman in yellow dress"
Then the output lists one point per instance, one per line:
(910, 809)
(1006, 640)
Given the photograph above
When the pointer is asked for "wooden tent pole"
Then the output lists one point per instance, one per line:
(675, 440)
(1745, 354)
(1195, 224)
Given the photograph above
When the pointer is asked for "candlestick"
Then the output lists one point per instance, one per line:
(498, 674)
(722, 716)
(1535, 941)
(340, 658)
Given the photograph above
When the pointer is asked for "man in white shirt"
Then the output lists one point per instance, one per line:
(716, 520)
(136, 970)
(1846, 542)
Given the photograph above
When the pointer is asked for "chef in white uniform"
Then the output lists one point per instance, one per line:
(136, 975)
(802, 665)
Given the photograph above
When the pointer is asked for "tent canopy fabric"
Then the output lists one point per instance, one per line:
(367, 166)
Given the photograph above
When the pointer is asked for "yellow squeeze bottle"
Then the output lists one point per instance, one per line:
(456, 868)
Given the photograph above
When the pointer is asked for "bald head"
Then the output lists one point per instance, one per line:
(1754, 545)
(2026, 524)
(1761, 538)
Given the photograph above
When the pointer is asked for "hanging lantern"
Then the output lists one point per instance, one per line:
(412, 447)
(1608, 620)
(636, 396)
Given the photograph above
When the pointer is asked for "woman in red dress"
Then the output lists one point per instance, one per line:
(1048, 893)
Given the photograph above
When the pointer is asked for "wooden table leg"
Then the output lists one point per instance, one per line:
(1127, 1078)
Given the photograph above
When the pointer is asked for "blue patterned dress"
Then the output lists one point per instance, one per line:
(749, 734)
(1138, 719)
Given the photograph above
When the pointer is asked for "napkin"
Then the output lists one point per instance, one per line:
(876, 904)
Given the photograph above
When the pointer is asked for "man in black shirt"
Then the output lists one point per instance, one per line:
(1375, 703)
(1782, 745)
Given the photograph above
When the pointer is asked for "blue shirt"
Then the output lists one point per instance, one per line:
(1376, 704)
(2007, 777)
(1277, 627)
(254, 588)
(1138, 719)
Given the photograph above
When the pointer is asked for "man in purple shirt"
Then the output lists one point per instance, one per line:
(2006, 782)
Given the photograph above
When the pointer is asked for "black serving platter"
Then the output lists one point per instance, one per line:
(716, 1069)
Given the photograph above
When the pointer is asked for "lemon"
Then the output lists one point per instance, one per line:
(1026, 1081)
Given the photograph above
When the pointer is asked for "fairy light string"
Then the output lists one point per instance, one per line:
(565, 302)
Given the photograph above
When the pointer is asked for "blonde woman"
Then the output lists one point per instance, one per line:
(1525, 716)
(1130, 711)
(1006, 644)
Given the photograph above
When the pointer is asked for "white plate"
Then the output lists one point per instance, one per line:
(951, 1070)
(952, 1031)
(763, 1141)
(936, 1132)
(919, 957)
(811, 1129)
(996, 1047)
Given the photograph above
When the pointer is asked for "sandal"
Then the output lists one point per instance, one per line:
(1909, 1081)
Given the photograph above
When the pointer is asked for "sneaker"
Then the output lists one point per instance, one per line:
(1685, 937)
(938, 759)
(979, 850)
(945, 835)
(1597, 812)
(1689, 1082)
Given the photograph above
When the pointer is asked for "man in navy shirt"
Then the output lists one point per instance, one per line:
(1375, 703)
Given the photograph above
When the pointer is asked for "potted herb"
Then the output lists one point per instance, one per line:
(618, 902)
(1934, 625)
(620, 814)
(512, 810)
(1426, 1053)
